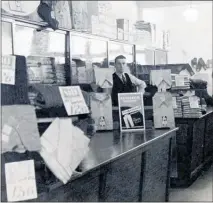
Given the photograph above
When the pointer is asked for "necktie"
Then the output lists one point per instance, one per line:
(123, 79)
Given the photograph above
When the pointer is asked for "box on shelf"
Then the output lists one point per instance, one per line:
(123, 24)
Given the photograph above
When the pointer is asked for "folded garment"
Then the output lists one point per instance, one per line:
(63, 148)
(47, 95)
(19, 129)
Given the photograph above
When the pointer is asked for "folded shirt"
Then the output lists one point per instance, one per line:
(19, 129)
(63, 148)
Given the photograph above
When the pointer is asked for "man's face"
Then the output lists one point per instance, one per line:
(120, 65)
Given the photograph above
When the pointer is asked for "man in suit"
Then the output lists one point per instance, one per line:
(124, 82)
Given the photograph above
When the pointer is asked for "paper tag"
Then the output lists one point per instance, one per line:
(193, 101)
(8, 70)
(20, 181)
(179, 80)
(174, 102)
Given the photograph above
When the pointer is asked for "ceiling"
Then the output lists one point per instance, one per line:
(155, 4)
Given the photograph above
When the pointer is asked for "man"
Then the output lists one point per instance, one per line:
(123, 82)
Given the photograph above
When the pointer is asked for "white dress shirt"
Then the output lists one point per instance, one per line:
(137, 82)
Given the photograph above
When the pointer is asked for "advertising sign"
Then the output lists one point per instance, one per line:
(131, 111)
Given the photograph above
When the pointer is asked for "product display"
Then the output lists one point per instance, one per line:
(163, 112)
(101, 110)
(63, 148)
(191, 107)
(180, 82)
(177, 106)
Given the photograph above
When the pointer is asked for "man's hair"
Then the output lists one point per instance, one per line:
(119, 57)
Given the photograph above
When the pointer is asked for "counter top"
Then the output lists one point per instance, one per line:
(106, 147)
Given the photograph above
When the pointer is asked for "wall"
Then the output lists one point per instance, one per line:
(188, 40)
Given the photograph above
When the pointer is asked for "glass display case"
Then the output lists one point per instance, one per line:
(127, 50)
(160, 57)
(44, 52)
(7, 45)
(98, 53)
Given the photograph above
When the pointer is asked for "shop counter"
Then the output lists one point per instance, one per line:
(194, 149)
(133, 166)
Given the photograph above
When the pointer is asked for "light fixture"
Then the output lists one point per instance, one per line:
(191, 14)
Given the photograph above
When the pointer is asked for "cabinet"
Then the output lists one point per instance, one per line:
(194, 149)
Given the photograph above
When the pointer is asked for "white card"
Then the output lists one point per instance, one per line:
(193, 102)
(8, 69)
(20, 181)
(73, 100)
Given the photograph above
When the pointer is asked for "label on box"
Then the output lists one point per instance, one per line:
(20, 181)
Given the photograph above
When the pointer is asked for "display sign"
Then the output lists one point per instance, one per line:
(20, 181)
(73, 100)
(131, 111)
(8, 69)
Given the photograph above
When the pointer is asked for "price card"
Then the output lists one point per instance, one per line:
(179, 80)
(73, 100)
(194, 102)
(8, 69)
(20, 181)
(174, 102)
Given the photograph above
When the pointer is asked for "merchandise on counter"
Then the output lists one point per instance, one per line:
(161, 79)
(18, 93)
(163, 110)
(191, 107)
(103, 77)
(177, 106)
(180, 82)
(46, 96)
(63, 148)
(101, 110)
(19, 129)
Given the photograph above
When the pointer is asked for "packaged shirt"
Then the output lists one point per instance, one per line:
(163, 110)
(63, 148)
(101, 109)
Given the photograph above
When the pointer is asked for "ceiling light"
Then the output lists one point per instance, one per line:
(191, 14)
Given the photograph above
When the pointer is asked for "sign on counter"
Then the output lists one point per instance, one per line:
(8, 69)
(73, 100)
(20, 181)
(131, 111)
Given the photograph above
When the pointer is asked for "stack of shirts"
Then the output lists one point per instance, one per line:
(47, 71)
(60, 74)
(177, 105)
(33, 70)
(191, 107)
(180, 82)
